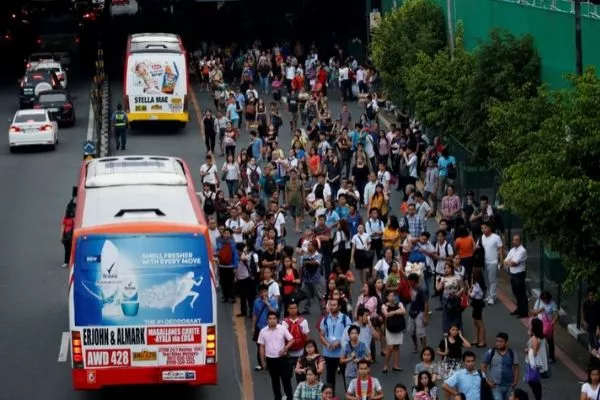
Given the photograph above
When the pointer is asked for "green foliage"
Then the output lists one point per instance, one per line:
(418, 25)
(436, 87)
(553, 180)
(504, 63)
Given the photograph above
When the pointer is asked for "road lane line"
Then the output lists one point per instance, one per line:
(197, 109)
(240, 329)
(90, 128)
(63, 352)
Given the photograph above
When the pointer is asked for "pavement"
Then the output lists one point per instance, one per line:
(36, 187)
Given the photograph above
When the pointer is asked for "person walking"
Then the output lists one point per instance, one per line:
(501, 366)
(120, 123)
(275, 342)
(210, 133)
(515, 262)
(466, 380)
(332, 329)
(66, 235)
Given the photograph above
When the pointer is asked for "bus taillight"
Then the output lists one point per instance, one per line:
(211, 344)
(77, 350)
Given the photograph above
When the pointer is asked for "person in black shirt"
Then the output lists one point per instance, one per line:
(209, 131)
(590, 310)
(293, 108)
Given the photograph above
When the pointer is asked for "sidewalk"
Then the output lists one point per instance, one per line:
(569, 351)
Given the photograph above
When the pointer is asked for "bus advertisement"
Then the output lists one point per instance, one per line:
(142, 301)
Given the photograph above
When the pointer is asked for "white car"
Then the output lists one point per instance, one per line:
(124, 7)
(57, 68)
(36, 58)
(32, 127)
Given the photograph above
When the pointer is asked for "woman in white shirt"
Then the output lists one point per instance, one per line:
(383, 266)
(591, 389)
(361, 245)
(231, 174)
(537, 355)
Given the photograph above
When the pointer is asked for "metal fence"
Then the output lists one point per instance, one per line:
(544, 267)
(99, 100)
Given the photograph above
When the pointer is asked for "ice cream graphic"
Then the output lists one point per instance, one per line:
(184, 290)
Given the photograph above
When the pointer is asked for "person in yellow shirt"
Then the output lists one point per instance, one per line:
(391, 235)
(379, 200)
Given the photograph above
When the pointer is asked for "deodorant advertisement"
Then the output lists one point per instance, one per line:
(142, 280)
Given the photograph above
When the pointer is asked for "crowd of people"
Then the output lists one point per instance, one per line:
(435, 253)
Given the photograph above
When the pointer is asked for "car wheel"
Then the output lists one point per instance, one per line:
(12, 149)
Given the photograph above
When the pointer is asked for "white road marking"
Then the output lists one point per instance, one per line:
(63, 353)
(90, 128)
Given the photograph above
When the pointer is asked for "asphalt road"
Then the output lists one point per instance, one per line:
(33, 288)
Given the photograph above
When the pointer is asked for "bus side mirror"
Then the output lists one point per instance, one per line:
(74, 191)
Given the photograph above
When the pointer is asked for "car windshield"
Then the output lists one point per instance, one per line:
(40, 57)
(48, 69)
(57, 25)
(52, 97)
(23, 118)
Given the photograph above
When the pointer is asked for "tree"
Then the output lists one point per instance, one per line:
(513, 123)
(418, 25)
(554, 181)
(436, 87)
(502, 64)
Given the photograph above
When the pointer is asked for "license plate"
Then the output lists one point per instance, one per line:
(53, 109)
(30, 131)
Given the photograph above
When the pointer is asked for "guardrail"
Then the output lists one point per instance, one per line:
(589, 8)
(97, 144)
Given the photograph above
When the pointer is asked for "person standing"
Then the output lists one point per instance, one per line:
(66, 235)
(275, 342)
(466, 380)
(502, 363)
(120, 123)
(210, 133)
(494, 252)
(515, 262)
(332, 329)
(300, 330)
(364, 386)
(227, 257)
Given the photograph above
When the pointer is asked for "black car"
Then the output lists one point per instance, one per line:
(59, 104)
(35, 82)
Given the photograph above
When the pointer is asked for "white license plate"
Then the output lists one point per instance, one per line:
(178, 375)
(53, 109)
(31, 131)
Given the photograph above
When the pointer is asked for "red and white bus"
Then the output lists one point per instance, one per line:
(155, 81)
(142, 293)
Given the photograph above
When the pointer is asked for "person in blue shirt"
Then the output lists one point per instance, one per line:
(466, 380)
(120, 123)
(260, 311)
(228, 259)
(232, 112)
(331, 331)
(354, 351)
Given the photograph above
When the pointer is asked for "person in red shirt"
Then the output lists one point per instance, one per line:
(322, 80)
(68, 224)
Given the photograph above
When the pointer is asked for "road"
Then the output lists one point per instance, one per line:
(33, 288)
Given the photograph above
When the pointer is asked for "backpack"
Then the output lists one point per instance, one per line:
(479, 254)
(451, 171)
(68, 232)
(404, 291)
(254, 177)
(209, 205)
(270, 185)
(395, 323)
(295, 329)
(370, 112)
(226, 255)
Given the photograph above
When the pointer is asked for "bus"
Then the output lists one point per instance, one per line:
(156, 78)
(142, 292)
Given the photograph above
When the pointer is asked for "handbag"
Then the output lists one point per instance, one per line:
(548, 327)
(485, 391)
(532, 375)
(369, 254)
(464, 300)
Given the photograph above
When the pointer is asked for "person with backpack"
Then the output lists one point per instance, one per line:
(353, 351)
(331, 331)
(66, 235)
(267, 184)
(260, 309)
(311, 275)
(501, 367)
(246, 276)
(207, 198)
(228, 259)
(298, 327)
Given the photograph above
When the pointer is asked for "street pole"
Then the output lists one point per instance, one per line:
(578, 50)
(450, 27)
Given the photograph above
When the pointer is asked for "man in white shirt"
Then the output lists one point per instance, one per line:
(279, 217)
(236, 224)
(345, 83)
(494, 254)
(515, 262)
(209, 173)
(360, 79)
(369, 189)
(370, 149)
